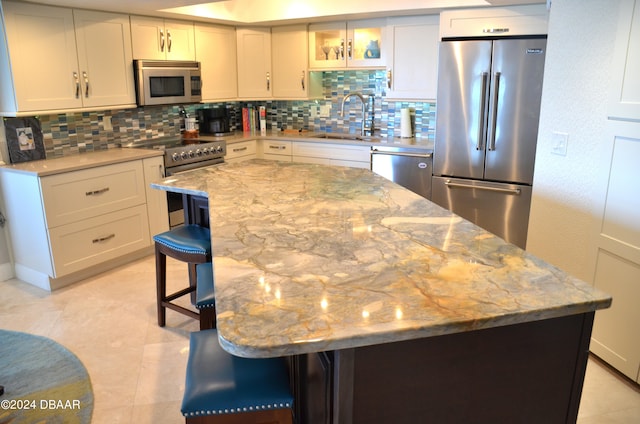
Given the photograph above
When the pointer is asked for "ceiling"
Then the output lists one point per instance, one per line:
(270, 12)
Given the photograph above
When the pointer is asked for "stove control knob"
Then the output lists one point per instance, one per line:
(175, 156)
(191, 154)
(206, 151)
(198, 152)
(184, 155)
(219, 149)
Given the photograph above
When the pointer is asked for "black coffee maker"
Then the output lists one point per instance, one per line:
(213, 121)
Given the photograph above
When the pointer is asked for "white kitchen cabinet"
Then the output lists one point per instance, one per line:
(239, 152)
(353, 44)
(276, 150)
(332, 154)
(70, 225)
(494, 21)
(615, 337)
(412, 70)
(624, 102)
(105, 66)
(51, 64)
(289, 53)
(162, 39)
(156, 199)
(254, 63)
(216, 52)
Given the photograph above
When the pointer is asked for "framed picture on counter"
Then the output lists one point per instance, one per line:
(24, 139)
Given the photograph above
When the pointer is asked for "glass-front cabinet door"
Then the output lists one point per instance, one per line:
(339, 45)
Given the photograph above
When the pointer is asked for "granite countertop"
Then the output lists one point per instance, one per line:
(311, 258)
(81, 161)
(416, 143)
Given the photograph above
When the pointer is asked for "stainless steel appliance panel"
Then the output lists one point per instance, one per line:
(502, 209)
(514, 109)
(463, 80)
(162, 82)
(408, 168)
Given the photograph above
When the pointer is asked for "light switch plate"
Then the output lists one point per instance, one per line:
(106, 122)
(559, 143)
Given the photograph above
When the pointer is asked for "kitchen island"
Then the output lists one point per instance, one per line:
(392, 309)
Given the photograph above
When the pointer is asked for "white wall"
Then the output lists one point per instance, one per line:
(567, 190)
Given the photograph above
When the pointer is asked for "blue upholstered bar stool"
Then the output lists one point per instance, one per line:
(187, 243)
(205, 296)
(222, 388)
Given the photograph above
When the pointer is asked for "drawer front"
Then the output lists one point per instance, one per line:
(333, 151)
(78, 195)
(240, 150)
(276, 148)
(89, 242)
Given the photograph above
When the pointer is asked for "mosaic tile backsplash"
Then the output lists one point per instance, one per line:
(72, 133)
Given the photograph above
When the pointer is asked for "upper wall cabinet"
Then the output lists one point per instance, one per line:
(49, 64)
(162, 39)
(494, 21)
(216, 52)
(340, 45)
(289, 53)
(624, 101)
(254, 63)
(412, 56)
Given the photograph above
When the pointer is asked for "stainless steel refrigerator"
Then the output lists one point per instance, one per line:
(487, 113)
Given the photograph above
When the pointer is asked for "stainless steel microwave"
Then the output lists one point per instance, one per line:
(163, 82)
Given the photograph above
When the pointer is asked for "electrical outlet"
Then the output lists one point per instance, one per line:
(325, 111)
(559, 143)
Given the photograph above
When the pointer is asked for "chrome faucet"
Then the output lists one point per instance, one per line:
(364, 101)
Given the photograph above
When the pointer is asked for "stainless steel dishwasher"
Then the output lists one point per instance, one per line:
(409, 167)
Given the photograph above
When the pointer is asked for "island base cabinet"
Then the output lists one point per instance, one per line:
(524, 373)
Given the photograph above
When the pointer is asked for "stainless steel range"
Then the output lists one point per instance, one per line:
(182, 155)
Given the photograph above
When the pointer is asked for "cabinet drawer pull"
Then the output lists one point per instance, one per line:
(302, 80)
(161, 40)
(389, 76)
(240, 149)
(94, 192)
(101, 239)
(350, 50)
(277, 147)
(268, 81)
(168, 41)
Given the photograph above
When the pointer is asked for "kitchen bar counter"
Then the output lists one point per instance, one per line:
(81, 161)
(315, 259)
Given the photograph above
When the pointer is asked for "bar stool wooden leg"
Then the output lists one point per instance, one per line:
(161, 286)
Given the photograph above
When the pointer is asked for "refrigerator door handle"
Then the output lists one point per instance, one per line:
(515, 191)
(482, 134)
(494, 112)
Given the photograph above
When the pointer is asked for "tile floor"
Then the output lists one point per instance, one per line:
(137, 368)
